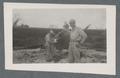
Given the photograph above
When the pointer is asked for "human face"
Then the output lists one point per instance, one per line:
(72, 24)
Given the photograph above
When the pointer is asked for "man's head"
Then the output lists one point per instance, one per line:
(66, 26)
(72, 22)
(51, 31)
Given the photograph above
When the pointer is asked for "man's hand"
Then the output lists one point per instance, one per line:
(78, 45)
(55, 40)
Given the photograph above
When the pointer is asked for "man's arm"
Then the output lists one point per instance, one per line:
(83, 36)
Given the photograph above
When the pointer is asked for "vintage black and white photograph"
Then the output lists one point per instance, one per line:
(60, 34)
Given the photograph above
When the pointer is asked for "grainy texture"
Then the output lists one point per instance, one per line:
(30, 74)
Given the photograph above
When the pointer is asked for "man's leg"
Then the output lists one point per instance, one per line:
(70, 53)
(52, 51)
(49, 55)
(76, 53)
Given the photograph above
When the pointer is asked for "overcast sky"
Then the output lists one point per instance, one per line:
(46, 17)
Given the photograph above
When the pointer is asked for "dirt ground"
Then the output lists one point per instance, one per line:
(39, 56)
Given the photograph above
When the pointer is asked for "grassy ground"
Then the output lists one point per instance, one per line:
(28, 45)
(39, 56)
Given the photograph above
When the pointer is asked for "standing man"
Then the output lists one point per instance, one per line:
(77, 38)
(50, 47)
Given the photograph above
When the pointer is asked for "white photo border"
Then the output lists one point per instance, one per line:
(94, 68)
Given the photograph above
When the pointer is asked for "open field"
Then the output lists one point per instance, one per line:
(28, 45)
(34, 38)
(39, 56)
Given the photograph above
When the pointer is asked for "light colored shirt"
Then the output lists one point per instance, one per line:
(77, 34)
(49, 38)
